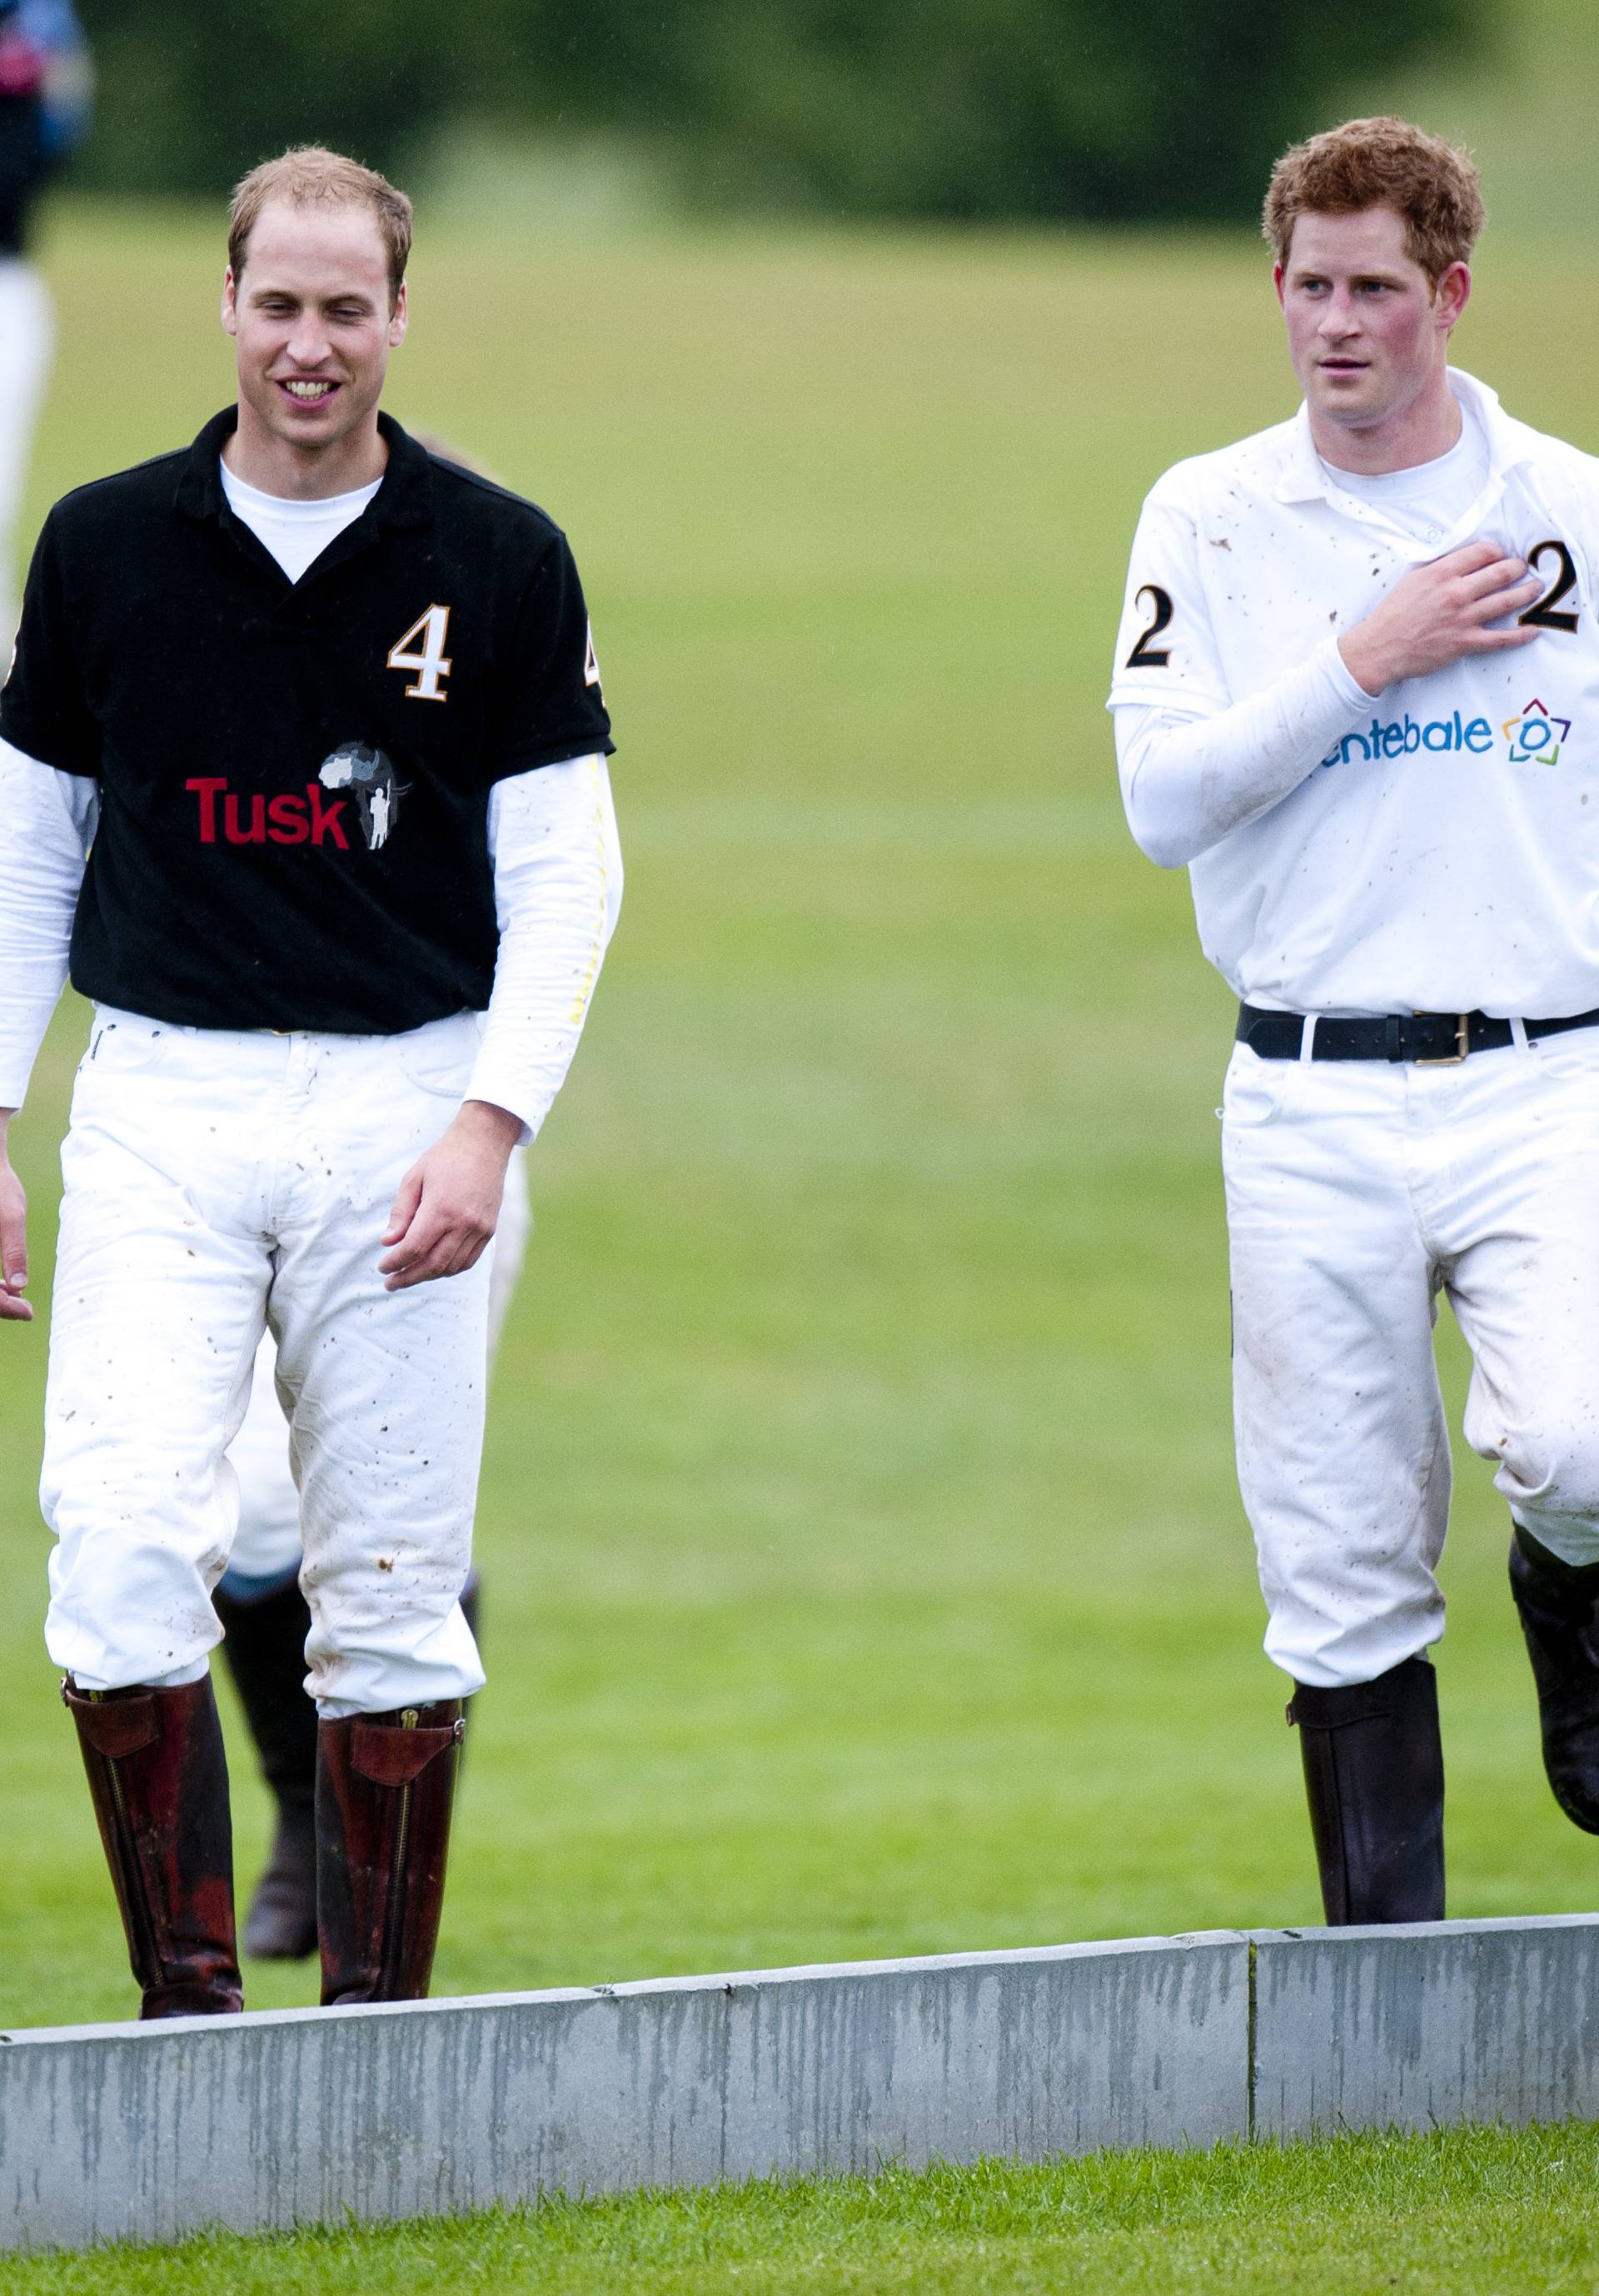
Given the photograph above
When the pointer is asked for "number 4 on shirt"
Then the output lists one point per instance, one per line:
(429, 659)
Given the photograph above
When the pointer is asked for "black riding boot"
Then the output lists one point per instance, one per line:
(1557, 1602)
(266, 1652)
(1375, 1777)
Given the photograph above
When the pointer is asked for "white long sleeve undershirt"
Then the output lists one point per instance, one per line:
(1187, 778)
(558, 886)
(558, 891)
(47, 822)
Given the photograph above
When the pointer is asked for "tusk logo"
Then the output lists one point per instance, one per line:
(369, 778)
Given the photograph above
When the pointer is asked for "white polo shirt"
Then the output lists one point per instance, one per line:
(1437, 849)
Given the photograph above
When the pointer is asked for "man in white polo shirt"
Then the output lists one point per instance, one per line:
(1357, 693)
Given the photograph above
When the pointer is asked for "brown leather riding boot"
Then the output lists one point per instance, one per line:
(158, 1778)
(265, 1631)
(384, 1786)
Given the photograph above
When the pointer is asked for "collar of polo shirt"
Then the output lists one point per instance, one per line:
(405, 498)
(1305, 476)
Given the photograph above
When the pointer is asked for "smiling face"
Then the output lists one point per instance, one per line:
(1368, 332)
(313, 322)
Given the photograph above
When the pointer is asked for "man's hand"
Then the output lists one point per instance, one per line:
(449, 1202)
(1438, 614)
(13, 1235)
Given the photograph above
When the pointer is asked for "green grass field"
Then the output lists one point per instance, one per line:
(864, 1569)
(1462, 2212)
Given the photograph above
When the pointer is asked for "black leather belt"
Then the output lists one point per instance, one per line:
(1430, 1039)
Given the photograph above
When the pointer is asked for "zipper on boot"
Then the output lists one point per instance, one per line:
(138, 1896)
(394, 1912)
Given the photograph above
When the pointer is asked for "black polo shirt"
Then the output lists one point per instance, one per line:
(294, 777)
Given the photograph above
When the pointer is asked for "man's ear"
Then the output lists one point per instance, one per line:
(230, 302)
(399, 318)
(1451, 293)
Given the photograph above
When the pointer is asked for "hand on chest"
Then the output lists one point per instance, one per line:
(1532, 706)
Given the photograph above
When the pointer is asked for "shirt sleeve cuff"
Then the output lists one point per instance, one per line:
(490, 1080)
(1342, 677)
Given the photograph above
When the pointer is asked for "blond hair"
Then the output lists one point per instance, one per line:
(312, 176)
(1433, 187)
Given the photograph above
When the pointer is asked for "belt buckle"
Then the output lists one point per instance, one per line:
(1463, 1030)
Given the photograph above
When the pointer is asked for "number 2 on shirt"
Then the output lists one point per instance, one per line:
(430, 663)
(1144, 655)
(1541, 614)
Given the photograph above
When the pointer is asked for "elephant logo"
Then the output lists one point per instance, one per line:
(369, 776)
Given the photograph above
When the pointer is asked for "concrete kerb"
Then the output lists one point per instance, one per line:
(1426, 2023)
(314, 2116)
(310, 2116)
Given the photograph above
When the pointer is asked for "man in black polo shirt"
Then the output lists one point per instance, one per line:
(306, 757)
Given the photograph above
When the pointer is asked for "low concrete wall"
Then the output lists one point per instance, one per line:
(312, 2116)
(306, 2116)
(1426, 2022)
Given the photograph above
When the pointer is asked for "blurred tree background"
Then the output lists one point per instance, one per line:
(958, 110)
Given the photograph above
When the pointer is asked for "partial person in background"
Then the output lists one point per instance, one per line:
(44, 84)
(259, 1601)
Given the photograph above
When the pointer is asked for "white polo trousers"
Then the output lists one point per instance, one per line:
(27, 346)
(267, 1544)
(218, 1183)
(1357, 1191)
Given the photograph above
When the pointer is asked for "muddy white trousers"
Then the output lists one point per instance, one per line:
(267, 1543)
(1358, 1191)
(219, 1184)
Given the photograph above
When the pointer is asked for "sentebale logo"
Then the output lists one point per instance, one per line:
(1537, 735)
(1402, 737)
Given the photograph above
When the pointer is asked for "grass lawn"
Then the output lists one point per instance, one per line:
(864, 1569)
(1461, 2212)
